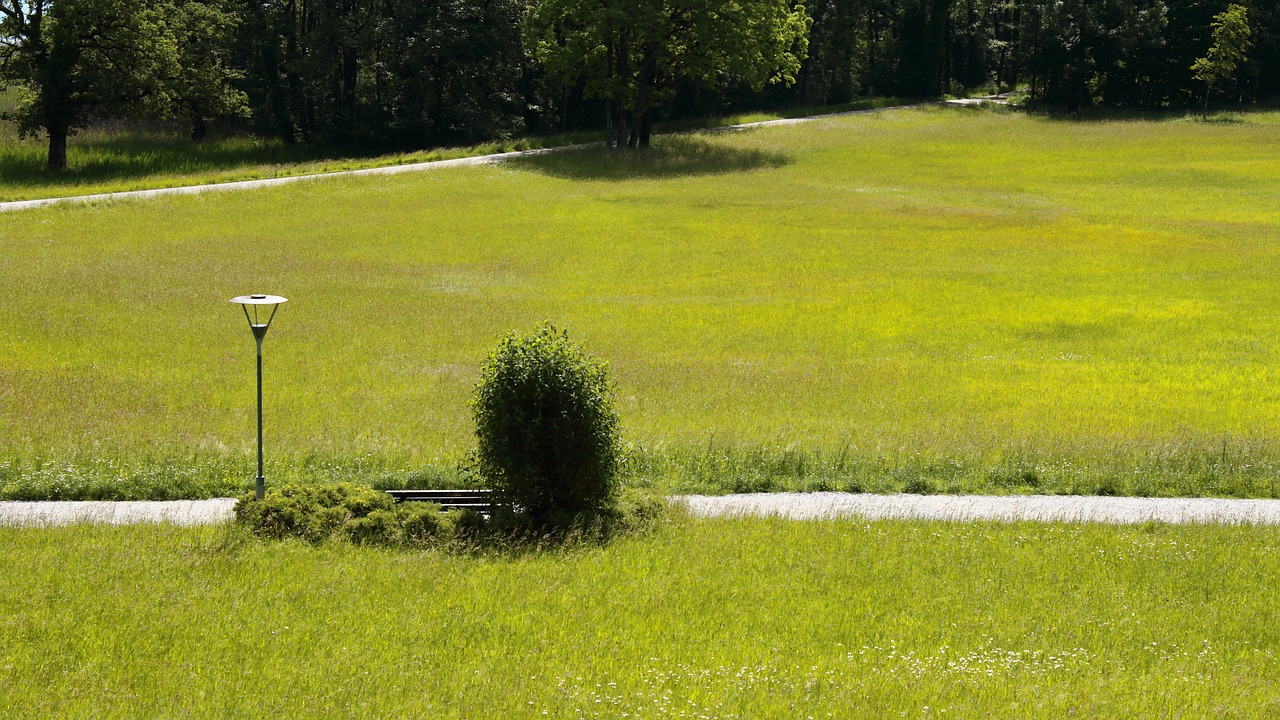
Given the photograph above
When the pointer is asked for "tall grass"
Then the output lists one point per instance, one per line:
(712, 619)
(936, 299)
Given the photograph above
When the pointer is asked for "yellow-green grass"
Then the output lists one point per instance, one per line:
(109, 159)
(712, 619)
(121, 157)
(930, 300)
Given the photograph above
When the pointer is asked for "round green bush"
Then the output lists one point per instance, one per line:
(546, 427)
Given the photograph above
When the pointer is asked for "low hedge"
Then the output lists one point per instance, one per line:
(316, 513)
(363, 515)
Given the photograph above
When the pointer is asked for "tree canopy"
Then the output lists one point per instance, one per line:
(417, 73)
(1231, 42)
(73, 60)
(631, 53)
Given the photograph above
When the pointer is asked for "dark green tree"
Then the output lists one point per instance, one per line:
(449, 71)
(202, 85)
(921, 42)
(390, 72)
(631, 53)
(72, 59)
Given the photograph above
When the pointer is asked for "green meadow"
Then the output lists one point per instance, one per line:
(706, 619)
(929, 300)
(120, 157)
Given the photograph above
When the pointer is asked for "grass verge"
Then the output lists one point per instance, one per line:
(713, 619)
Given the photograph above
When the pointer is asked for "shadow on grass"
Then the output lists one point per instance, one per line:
(133, 158)
(1229, 116)
(807, 111)
(670, 157)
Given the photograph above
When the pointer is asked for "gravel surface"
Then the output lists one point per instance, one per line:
(795, 506)
(1058, 508)
(178, 512)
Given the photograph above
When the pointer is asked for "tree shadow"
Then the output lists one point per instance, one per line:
(671, 156)
(125, 157)
(1217, 116)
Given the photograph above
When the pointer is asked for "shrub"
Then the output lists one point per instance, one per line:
(422, 523)
(546, 427)
(316, 513)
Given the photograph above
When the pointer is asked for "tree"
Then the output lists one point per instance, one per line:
(1231, 41)
(449, 71)
(201, 87)
(74, 58)
(631, 53)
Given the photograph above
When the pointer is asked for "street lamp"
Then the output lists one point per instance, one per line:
(260, 305)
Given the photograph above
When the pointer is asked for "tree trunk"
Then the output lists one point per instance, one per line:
(646, 128)
(608, 123)
(350, 74)
(57, 150)
(199, 128)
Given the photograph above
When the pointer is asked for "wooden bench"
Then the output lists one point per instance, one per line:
(479, 500)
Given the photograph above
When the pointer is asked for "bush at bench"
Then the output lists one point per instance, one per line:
(316, 513)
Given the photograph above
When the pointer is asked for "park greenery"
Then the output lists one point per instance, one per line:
(714, 618)
(961, 300)
(318, 513)
(633, 53)
(403, 75)
(546, 428)
(935, 300)
(1231, 42)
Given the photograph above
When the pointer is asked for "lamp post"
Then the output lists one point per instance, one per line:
(260, 304)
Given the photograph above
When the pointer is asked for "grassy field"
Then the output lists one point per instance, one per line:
(709, 619)
(114, 158)
(939, 300)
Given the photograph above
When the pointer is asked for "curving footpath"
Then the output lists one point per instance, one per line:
(792, 506)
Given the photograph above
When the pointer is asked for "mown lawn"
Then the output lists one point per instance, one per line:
(940, 300)
(707, 619)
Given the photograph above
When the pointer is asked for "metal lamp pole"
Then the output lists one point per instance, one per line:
(259, 329)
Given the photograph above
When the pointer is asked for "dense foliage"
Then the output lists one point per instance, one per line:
(631, 53)
(76, 60)
(316, 513)
(546, 427)
(403, 73)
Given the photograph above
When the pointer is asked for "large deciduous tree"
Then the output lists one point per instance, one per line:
(71, 59)
(631, 53)
(201, 87)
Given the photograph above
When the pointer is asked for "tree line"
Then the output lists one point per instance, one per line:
(415, 73)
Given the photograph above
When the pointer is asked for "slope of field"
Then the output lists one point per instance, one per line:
(930, 300)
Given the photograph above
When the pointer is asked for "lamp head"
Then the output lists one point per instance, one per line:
(260, 319)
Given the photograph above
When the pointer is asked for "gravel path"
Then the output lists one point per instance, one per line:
(178, 512)
(795, 506)
(1048, 508)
